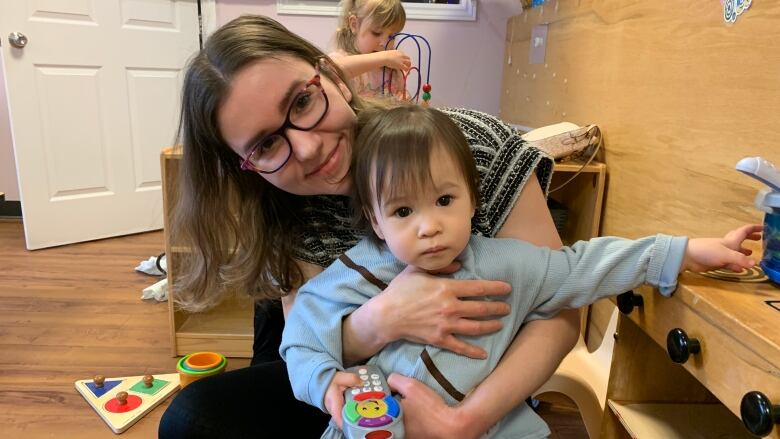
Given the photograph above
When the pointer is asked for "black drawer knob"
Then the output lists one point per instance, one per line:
(680, 346)
(758, 413)
(628, 300)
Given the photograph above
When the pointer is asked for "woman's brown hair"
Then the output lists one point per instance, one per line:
(239, 231)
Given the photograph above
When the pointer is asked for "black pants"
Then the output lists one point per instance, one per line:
(254, 402)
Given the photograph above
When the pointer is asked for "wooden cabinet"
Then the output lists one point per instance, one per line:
(228, 328)
(735, 325)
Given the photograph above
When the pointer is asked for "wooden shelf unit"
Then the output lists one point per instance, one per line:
(740, 352)
(228, 327)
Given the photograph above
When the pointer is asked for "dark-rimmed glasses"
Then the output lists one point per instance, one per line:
(308, 108)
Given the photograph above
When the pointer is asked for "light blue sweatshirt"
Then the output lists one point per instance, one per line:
(543, 282)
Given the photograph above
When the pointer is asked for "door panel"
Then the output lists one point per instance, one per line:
(93, 98)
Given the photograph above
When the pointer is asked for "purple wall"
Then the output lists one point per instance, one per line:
(467, 55)
(466, 71)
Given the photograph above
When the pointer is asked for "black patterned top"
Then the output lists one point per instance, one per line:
(504, 162)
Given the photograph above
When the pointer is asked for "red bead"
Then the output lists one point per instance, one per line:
(427, 88)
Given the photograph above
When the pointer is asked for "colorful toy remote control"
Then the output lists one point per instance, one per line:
(370, 411)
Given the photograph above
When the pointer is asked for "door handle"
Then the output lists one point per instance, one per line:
(17, 39)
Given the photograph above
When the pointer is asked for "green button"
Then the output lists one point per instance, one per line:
(350, 411)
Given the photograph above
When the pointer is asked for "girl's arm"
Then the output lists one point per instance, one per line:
(355, 65)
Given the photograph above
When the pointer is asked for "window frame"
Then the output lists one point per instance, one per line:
(466, 10)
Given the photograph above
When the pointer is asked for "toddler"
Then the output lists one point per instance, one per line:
(365, 28)
(416, 189)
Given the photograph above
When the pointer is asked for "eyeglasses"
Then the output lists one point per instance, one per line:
(308, 108)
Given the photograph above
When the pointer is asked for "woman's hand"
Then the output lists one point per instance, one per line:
(426, 415)
(427, 309)
(423, 308)
(395, 59)
(334, 396)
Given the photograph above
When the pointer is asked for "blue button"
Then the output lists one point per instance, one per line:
(393, 409)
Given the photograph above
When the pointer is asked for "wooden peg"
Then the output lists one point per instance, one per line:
(121, 398)
(99, 380)
(148, 380)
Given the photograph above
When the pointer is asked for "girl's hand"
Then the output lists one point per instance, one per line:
(705, 254)
(426, 415)
(423, 308)
(334, 396)
(395, 59)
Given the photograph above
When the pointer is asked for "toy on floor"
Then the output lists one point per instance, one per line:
(200, 365)
(426, 87)
(121, 402)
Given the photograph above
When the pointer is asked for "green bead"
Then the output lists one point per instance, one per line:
(426, 96)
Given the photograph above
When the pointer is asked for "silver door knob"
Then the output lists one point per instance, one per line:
(17, 39)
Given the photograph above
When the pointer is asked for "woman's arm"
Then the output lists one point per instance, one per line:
(541, 345)
(309, 271)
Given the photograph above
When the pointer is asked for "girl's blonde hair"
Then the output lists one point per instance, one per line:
(384, 13)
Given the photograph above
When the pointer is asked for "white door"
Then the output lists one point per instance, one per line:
(93, 97)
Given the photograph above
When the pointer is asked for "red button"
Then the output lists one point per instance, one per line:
(379, 434)
(369, 395)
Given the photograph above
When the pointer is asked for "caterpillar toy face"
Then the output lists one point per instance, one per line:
(372, 408)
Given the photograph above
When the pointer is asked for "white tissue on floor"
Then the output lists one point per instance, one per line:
(149, 266)
(157, 291)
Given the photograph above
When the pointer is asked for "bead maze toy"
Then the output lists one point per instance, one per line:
(122, 401)
(426, 86)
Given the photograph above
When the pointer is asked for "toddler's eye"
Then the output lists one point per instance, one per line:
(403, 212)
(444, 200)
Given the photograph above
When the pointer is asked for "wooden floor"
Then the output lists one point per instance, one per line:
(66, 314)
(71, 312)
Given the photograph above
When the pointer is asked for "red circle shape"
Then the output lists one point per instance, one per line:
(113, 405)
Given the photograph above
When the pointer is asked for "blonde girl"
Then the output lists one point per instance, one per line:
(365, 27)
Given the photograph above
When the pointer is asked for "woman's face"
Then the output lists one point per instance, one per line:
(257, 104)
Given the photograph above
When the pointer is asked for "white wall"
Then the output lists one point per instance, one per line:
(467, 55)
(466, 72)
(8, 183)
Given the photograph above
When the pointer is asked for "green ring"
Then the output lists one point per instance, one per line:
(181, 367)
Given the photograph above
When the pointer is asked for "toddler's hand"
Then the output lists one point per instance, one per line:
(705, 254)
(395, 59)
(334, 396)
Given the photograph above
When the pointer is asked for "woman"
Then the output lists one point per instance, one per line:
(268, 119)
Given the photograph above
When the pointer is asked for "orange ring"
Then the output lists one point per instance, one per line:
(203, 360)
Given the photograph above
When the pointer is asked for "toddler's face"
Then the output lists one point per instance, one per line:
(428, 227)
(370, 37)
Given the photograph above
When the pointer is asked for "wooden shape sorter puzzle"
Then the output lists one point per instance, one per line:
(123, 401)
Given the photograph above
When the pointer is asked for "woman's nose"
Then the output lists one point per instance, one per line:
(305, 145)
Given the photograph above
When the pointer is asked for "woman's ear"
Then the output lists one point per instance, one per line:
(344, 90)
(354, 23)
